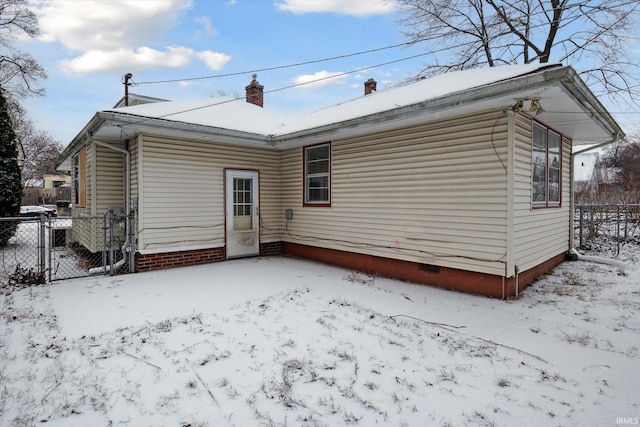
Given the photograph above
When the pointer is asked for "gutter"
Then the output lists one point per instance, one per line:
(548, 76)
(152, 125)
(597, 112)
(94, 124)
(593, 147)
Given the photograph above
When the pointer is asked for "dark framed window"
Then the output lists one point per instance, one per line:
(546, 164)
(317, 175)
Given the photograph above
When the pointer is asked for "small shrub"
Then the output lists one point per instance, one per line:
(23, 277)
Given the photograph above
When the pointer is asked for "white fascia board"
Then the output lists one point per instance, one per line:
(164, 127)
(419, 112)
(578, 90)
(64, 159)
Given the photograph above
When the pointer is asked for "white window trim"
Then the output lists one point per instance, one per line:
(307, 176)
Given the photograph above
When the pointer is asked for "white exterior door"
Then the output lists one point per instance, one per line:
(243, 224)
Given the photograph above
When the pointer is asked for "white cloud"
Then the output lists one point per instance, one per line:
(214, 60)
(125, 35)
(319, 79)
(101, 25)
(207, 27)
(125, 60)
(344, 7)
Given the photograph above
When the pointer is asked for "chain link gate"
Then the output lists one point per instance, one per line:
(46, 249)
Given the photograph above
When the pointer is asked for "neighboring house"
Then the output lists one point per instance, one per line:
(47, 190)
(596, 183)
(587, 176)
(612, 184)
(460, 181)
(132, 99)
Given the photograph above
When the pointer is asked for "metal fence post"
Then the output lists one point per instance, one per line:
(132, 242)
(41, 246)
(104, 241)
(581, 223)
(111, 239)
(50, 247)
(618, 229)
(626, 222)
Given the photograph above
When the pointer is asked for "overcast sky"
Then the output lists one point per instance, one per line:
(88, 46)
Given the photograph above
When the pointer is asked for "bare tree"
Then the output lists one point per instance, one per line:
(37, 149)
(19, 72)
(591, 35)
(623, 160)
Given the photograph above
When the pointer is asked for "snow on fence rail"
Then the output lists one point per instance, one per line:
(618, 223)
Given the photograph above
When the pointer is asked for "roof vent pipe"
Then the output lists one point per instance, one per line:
(126, 82)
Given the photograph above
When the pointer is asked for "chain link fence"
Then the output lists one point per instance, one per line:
(42, 249)
(614, 224)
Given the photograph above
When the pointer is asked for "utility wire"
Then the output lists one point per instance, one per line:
(226, 101)
(348, 55)
(279, 67)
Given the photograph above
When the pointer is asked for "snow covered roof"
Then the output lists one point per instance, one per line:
(568, 107)
(219, 112)
(34, 183)
(236, 114)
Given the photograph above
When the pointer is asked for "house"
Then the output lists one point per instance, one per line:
(49, 189)
(587, 176)
(461, 181)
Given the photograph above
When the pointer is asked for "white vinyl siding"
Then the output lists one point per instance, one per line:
(182, 192)
(109, 182)
(105, 189)
(539, 234)
(434, 194)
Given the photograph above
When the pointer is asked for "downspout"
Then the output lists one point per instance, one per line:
(510, 265)
(127, 191)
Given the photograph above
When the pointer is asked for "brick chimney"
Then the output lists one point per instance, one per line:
(370, 86)
(255, 92)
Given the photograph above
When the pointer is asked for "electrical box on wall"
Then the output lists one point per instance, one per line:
(288, 214)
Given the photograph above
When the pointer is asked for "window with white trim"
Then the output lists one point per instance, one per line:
(317, 175)
(546, 161)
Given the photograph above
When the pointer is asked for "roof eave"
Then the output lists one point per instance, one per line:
(576, 88)
(63, 162)
(563, 76)
(159, 126)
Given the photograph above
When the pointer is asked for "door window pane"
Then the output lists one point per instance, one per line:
(242, 203)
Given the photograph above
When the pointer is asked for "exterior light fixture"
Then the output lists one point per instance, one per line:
(536, 107)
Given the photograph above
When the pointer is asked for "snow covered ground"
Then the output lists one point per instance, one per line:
(280, 341)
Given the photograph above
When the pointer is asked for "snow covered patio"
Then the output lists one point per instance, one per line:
(281, 341)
